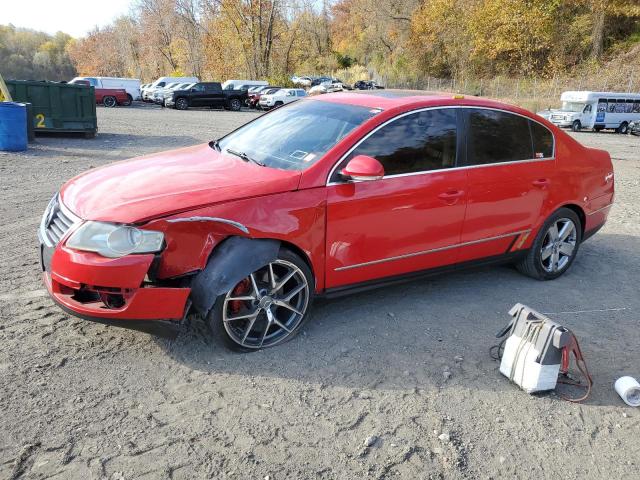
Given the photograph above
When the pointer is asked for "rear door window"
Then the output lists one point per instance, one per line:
(496, 137)
(417, 142)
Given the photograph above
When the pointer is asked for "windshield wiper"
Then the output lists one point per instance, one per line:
(244, 157)
(215, 144)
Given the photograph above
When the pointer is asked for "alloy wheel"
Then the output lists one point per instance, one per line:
(109, 101)
(559, 245)
(266, 307)
(181, 104)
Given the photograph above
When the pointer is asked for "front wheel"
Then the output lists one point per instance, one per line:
(128, 101)
(554, 248)
(266, 308)
(109, 101)
(576, 126)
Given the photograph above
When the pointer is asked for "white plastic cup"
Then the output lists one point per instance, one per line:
(629, 390)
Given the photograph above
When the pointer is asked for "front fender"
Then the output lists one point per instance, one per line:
(231, 261)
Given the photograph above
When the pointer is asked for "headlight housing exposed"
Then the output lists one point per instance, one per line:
(113, 241)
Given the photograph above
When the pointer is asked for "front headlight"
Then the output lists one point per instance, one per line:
(113, 241)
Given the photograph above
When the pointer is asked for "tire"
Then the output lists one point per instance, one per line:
(576, 126)
(235, 105)
(182, 103)
(257, 330)
(128, 102)
(623, 128)
(109, 101)
(558, 257)
(278, 104)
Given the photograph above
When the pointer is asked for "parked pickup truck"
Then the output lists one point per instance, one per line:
(109, 97)
(207, 94)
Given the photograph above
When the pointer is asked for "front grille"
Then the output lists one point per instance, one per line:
(557, 117)
(56, 222)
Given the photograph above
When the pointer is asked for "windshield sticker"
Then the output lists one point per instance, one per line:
(309, 157)
(298, 154)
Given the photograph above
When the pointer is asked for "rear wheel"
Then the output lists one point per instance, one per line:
(266, 308)
(182, 103)
(109, 101)
(576, 126)
(555, 247)
(623, 128)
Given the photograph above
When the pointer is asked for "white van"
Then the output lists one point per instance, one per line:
(147, 93)
(597, 110)
(243, 84)
(131, 85)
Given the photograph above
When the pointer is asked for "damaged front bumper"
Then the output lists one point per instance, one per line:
(112, 291)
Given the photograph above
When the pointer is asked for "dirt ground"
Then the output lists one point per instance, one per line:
(82, 400)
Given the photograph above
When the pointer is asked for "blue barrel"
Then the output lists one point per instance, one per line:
(13, 126)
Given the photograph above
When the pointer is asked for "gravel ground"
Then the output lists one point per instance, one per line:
(405, 370)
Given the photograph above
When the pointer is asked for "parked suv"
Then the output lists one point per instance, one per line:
(280, 97)
(207, 94)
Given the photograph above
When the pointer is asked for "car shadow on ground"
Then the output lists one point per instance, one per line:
(407, 336)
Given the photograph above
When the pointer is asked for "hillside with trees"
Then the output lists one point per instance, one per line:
(30, 55)
(405, 43)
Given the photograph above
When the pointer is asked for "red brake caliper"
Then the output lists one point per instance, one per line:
(240, 289)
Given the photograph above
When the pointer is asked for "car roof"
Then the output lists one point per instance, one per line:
(405, 100)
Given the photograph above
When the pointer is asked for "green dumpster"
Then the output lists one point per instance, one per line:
(58, 107)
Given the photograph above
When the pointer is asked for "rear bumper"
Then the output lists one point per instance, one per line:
(112, 291)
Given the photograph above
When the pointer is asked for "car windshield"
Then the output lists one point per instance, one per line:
(297, 135)
(572, 106)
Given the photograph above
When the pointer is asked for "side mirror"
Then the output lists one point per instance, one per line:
(363, 168)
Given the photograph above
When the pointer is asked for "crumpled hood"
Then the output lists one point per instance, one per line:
(169, 182)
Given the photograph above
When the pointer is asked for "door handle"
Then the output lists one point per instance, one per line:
(541, 182)
(451, 195)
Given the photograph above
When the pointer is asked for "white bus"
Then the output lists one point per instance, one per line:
(597, 110)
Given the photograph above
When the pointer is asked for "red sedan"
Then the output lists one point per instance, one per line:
(323, 196)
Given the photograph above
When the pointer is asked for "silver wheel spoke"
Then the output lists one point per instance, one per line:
(286, 305)
(280, 324)
(566, 248)
(255, 285)
(565, 231)
(555, 258)
(250, 327)
(553, 232)
(272, 277)
(284, 281)
(243, 317)
(244, 298)
(294, 292)
(546, 252)
(266, 329)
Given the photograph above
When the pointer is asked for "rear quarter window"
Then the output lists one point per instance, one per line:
(497, 137)
(542, 140)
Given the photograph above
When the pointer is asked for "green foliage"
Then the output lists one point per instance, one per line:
(30, 55)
